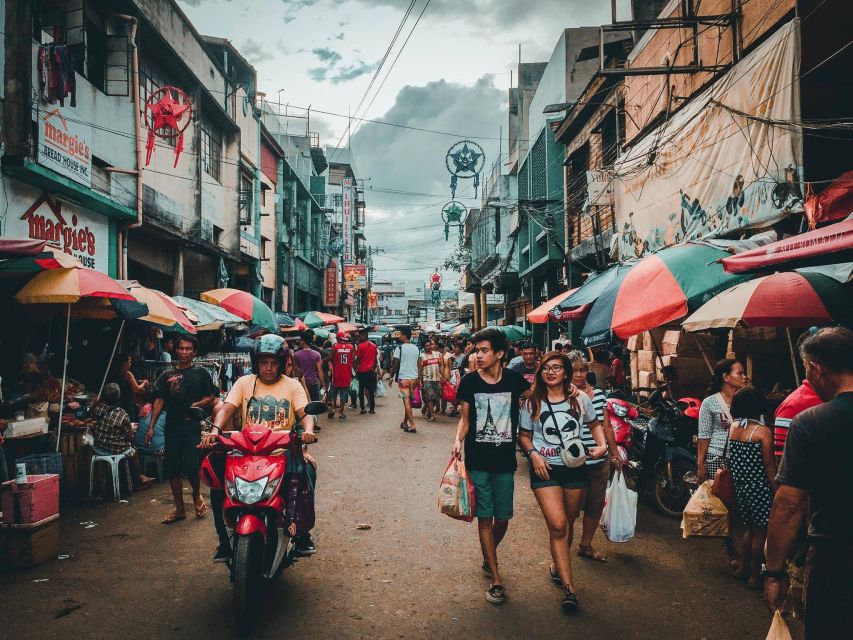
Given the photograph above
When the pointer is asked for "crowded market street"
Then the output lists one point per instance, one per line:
(413, 574)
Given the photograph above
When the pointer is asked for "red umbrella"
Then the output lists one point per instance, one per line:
(543, 313)
(828, 245)
(833, 203)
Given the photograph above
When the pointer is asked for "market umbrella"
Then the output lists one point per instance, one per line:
(549, 311)
(589, 291)
(14, 247)
(658, 289)
(245, 305)
(788, 299)
(296, 327)
(318, 318)
(209, 316)
(827, 245)
(513, 332)
(48, 258)
(92, 289)
(285, 319)
(347, 327)
(162, 310)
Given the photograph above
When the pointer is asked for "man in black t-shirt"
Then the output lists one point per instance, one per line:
(178, 390)
(814, 481)
(488, 428)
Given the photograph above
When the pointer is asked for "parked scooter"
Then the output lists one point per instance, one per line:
(658, 454)
(265, 506)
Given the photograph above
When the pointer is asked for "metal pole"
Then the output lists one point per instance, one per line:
(112, 355)
(64, 372)
(793, 357)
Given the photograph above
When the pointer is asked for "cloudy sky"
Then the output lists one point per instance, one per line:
(451, 77)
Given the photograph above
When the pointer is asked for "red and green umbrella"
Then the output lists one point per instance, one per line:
(245, 305)
(662, 287)
(318, 319)
(790, 299)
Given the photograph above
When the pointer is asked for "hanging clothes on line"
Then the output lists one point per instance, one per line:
(57, 78)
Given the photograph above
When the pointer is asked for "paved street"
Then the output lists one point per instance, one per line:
(414, 574)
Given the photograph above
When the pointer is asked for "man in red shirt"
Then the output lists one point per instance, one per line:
(366, 360)
(800, 399)
(342, 357)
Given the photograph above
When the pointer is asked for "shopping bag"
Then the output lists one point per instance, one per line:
(705, 514)
(417, 400)
(619, 518)
(380, 389)
(778, 628)
(448, 392)
(456, 493)
(353, 386)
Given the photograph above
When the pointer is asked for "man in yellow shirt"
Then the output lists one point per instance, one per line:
(265, 397)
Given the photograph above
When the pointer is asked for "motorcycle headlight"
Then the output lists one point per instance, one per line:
(272, 485)
(620, 410)
(249, 492)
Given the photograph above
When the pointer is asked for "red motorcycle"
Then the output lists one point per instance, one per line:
(268, 503)
(658, 454)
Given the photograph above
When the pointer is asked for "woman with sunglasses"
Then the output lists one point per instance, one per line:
(550, 427)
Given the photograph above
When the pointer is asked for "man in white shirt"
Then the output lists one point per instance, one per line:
(404, 369)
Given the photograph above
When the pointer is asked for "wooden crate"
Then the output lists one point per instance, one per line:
(30, 545)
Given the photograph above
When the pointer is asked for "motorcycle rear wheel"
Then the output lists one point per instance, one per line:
(670, 495)
(248, 558)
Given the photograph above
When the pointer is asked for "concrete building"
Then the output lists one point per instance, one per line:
(392, 302)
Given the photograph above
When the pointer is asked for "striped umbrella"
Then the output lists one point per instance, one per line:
(243, 304)
(790, 299)
(49, 258)
(660, 288)
(162, 310)
(318, 318)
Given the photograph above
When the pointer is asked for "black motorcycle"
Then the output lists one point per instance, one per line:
(660, 451)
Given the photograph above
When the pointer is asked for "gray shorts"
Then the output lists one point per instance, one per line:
(340, 392)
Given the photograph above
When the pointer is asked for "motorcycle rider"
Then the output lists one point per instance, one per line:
(270, 398)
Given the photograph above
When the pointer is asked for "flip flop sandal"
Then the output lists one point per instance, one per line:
(555, 577)
(201, 511)
(408, 430)
(496, 594)
(591, 555)
(486, 571)
(173, 517)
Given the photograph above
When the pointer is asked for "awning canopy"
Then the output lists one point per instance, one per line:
(828, 245)
(548, 311)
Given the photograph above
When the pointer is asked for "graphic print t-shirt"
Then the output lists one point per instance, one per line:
(563, 416)
(343, 354)
(528, 373)
(492, 420)
(431, 365)
(180, 389)
(270, 405)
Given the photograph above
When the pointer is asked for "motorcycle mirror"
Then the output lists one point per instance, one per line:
(315, 408)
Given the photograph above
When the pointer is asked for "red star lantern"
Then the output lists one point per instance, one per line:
(168, 119)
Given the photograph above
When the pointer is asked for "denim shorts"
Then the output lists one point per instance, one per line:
(561, 476)
(493, 491)
(340, 392)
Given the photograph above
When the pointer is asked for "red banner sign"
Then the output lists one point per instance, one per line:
(330, 285)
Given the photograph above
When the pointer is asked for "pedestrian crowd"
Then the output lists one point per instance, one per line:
(788, 484)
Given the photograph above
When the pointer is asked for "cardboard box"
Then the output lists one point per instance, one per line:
(647, 379)
(691, 370)
(638, 342)
(635, 371)
(29, 545)
(29, 427)
(31, 502)
(646, 360)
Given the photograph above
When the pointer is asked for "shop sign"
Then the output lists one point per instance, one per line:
(330, 285)
(599, 189)
(347, 254)
(355, 277)
(249, 248)
(78, 233)
(64, 144)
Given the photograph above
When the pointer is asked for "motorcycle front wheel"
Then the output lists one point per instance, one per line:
(248, 559)
(671, 493)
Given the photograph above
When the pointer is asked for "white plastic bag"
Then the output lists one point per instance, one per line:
(380, 389)
(778, 628)
(619, 519)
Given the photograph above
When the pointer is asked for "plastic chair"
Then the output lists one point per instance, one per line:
(114, 460)
(148, 459)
